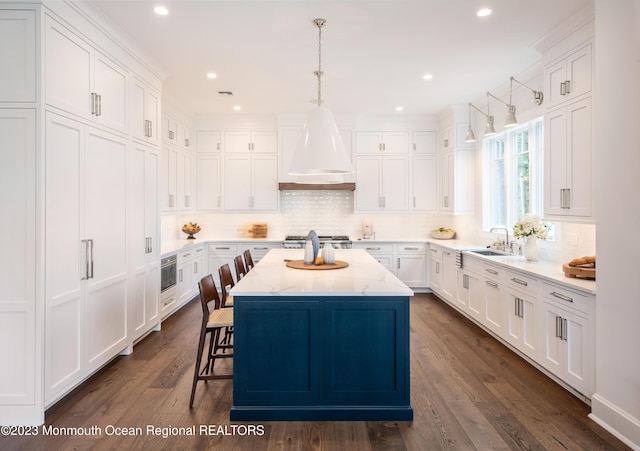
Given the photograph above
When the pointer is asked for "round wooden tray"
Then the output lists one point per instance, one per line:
(299, 264)
(579, 272)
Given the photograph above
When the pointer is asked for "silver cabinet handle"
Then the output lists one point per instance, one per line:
(446, 201)
(180, 275)
(150, 129)
(186, 201)
(260, 248)
(491, 282)
(219, 201)
(171, 201)
(86, 259)
(186, 255)
(465, 281)
(414, 147)
(225, 248)
(373, 248)
(521, 282)
(91, 261)
(561, 296)
(492, 271)
(411, 248)
(521, 308)
(563, 88)
(171, 134)
(186, 142)
(195, 267)
(516, 306)
(567, 87)
(437, 267)
(559, 326)
(564, 329)
(414, 201)
(200, 250)
(99, 113)
(167, 302)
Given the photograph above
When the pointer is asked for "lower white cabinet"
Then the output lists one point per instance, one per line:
(568, 347)
(86, 256)
(494, 306)
(258, 250)
(411, 264)
(442, 272)
(382, 252)
(218, 254)
(191, 268)
(523, 312)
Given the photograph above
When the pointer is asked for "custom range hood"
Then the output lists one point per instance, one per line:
(297, 186)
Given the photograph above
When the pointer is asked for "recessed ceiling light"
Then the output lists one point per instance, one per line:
(483, 12)
(211, 75)
(161, 10)
(427, 76)
(399, 108)
(237, 108)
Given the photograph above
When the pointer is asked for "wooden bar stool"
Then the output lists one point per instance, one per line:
(248, 260)
(226, 284)
(241, 271)
(212, 324)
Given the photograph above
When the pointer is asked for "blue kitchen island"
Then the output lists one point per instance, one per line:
(321, 344)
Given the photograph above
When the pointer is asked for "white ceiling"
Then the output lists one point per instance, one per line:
(374, 52)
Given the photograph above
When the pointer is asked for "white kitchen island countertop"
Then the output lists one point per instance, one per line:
(363, 277)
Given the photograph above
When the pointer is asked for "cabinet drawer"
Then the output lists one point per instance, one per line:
(372, 248)
(472, 264)
(566, 298)
(521, 281)
(227, 248)
(185, 255)
(492, 271)
(412, 248)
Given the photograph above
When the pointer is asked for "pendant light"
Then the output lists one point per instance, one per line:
(489, 128)
(320, 154)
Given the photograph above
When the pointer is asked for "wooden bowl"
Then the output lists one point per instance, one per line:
(442, 235)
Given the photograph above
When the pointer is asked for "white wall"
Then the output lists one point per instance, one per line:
(616, 403)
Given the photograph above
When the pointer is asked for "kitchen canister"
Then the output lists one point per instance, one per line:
(308, 252)
(328, 254)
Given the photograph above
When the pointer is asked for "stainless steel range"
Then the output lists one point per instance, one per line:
(337, 241)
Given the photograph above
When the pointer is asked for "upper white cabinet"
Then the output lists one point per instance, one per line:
(18, 51)
(382, 183)
(245, 141)
(209, 187)
(424, 142)
(82, 81)
(387, 142)
(251, 183)
(424, 183)
(568, 161)
(569, 78)
(176, 133)
(144, 112)
(456, 184)
(209, 141)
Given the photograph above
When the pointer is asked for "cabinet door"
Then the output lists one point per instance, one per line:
(170, 168)
(184, 289)
(368, 180)
(265, 192)
(412, 270)
(20, 303)
(580, 157)
(209, 173)
(434, 270)
(579, 72)
(446, 181)
(555, 75)
(448, 276)
(368, 142)
(208, 141)
(494, 306)
(264, 142)
(65, 263)
(395, 183)
(110, 84)
(424, 179)
(184, 181)
(144, 112)
(395, 142)
(576, 355)
(169, 130)
(237, 183)
(105, 224)
(19, 29)
(237, 141)
(555, 161)
(67, 70)
(425, 142)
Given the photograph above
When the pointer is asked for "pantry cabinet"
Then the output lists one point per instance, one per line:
(82, 81)
(424, 183)
(177, 180)
(569, 78)
(377, 142)
(144, 239)
(258, 141)
(209, 187)
(86, 256)
(18, 27)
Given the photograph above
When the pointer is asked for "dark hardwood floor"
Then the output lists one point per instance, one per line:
(468, 392)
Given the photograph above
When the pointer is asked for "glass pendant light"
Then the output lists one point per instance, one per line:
(320, 155)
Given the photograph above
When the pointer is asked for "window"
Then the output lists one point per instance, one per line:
(512, 169)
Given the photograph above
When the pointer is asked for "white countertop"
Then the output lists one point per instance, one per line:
(363, 277)
(173, 246)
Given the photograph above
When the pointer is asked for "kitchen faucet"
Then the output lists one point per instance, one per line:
(506, 232)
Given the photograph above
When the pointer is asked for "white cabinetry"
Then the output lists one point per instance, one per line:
(382, 183)
(456, 175)
(144, 112)
(382, 252)
(387, 142)
(569, 78)
(18, 33)
(442, 272)
(258, 249)
(522, 313)
(176, 169)
(191, 268)
(251, 182)
(263, 141)
(424, 179)
(82, 81)
(144, 243)
(208, 176)
(568, 351)
(470, 292)
(568, 161)
(85, 265)
(411, 264)
(20, 341)
(424, 142)
(494, 306)
(217, 255)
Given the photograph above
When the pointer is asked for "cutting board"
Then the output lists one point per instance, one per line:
(576, 271)
(299, 264)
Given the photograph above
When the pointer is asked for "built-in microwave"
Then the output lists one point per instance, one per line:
(168, 273)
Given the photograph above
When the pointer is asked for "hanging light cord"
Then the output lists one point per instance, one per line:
(319, 23)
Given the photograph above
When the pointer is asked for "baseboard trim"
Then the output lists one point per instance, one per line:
(606, 414)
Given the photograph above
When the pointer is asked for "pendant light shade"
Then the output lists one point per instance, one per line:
(320, 155)
(510, 120)
(320, 149)
(489, 129)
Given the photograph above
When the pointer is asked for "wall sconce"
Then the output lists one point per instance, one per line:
(510, 120)
(489, 129)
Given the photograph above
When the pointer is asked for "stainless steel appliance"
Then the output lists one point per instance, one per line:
(168, 272)
(337, 241)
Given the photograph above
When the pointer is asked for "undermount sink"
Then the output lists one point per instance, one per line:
(489, 252)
